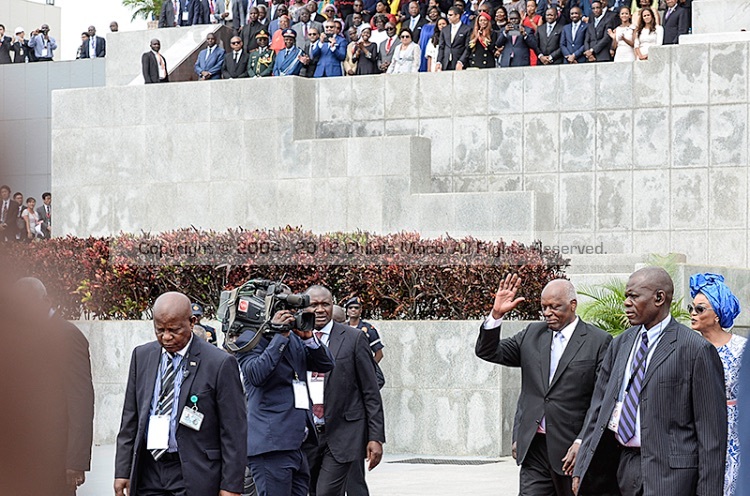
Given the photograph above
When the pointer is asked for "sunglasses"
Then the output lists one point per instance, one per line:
(235, 42)
(698, 309)
(404, 36)
(390, 29)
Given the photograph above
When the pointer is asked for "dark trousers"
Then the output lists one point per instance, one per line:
(327, 476)
(629, 476)
(355, 481)
(162, 477)
(537, 476)
(280, 472)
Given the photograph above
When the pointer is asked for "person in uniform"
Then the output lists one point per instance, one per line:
(290, 59)
(353, 308)
(262, 58)
(197, 310)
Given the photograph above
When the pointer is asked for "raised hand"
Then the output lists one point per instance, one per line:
(505, 297)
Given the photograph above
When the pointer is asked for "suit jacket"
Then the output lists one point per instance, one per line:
(239, 14)
(248, 35)
(598, 40)
(683, 413)
(309, 70)
(79, 392)
(329, 62)
(211, 64)
(216, 454)
(166, 16)
(287, 65)
(274, 424)
(451, 52)
(11, 216)
(353, 406)
(46, 222)
(677, 23)
(520, 50)
(6, 44)
(570, 45)
(417, 29)
(230, 70)
(387, 55)
(299, 28)
(101, 48)
(563, 402)
(200, 12)
(151, 68)
(550, 45)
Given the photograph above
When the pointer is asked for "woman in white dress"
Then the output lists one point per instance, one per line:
(431, 53)
(407, 57)
(647, 34)
(713, 310)
(32, 220)
(622, 38)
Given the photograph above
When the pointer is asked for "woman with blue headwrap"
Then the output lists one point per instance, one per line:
(713, 311)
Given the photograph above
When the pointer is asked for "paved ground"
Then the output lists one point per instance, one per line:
(389, 479)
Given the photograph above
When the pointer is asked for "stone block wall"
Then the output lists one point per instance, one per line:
(439, 398)
(640, 158)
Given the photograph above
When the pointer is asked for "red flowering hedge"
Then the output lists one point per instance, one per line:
(398, 276)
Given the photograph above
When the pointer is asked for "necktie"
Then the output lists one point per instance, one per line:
(575, 30)
(236, 57)
(388, 45)
(558, 346)
(626, 428)
(166, 397)
(596, 23)
(5, 211)
(669, 13)
(318, 409)
(549, 29)
(211, 6)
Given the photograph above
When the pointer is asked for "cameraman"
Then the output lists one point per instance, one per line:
(42, 44)
(278, 404)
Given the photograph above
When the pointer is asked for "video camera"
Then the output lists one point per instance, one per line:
(253, 305)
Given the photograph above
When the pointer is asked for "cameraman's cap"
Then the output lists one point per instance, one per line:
(289, 32)
(261, 34)
(352, 301)
(197, 309)
(19, 29)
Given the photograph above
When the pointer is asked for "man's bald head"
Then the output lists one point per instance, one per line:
(173, 303)
(559, 302)
(648, 296)
(657, 279)
(563, 287)
(32, 288)
(339, 314)
(30, 297)
(173, 321)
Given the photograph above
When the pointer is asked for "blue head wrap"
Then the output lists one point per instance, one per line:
(722, 300)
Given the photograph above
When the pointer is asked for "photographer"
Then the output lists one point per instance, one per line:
(42, 44)
(278, 403)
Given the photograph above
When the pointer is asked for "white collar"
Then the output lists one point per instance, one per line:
(567, 331)
(327, 328)
(183, 351)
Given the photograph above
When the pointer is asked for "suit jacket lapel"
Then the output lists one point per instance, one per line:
(151, 368)
(335, 340)
(576, 341)
(546, 341)
(193, 360)
(664, 348)
(618, 371)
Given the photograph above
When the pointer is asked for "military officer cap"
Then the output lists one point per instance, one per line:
(289, 32)
(197, 309)
(261, 34)
(352, 301)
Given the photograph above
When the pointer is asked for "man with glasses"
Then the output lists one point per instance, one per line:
(235, 62)
(303, 27)
(453, 46)
(388, 47)
(331, 50)
(313, 35)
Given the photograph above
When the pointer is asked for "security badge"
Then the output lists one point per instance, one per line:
(191, 417)
(301, 398)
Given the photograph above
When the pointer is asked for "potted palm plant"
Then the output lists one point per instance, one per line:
(145, 9)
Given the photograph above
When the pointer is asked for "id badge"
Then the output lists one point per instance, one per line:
(614, 420)
(44, 54)
(301, 400)
(191, 418)
(158, 432)
(185, 17)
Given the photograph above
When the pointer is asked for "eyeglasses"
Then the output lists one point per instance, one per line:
(390, 29)
(404, 36)
(235, 42)
(697, 309)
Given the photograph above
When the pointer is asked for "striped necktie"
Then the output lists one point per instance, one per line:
(626, 428)
(166, 395)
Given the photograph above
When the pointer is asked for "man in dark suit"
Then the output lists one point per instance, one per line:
(303, 27)
(312, 62)
(8, 213)
(549, 33)
(200, 12)
(184, 426)
(415, 21)
(96, 47)
(174, 13)
(6, 44)
(154, 65)
(660, 396)
(235, 62)
(597, 46)
(210, 60)
(676, 22)
(239, 14)
(573, 38)
(553, 403)
(347, 405)
(278, 405)
(517, 42)
(250, 30)
(453, 48)
(44, 211)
